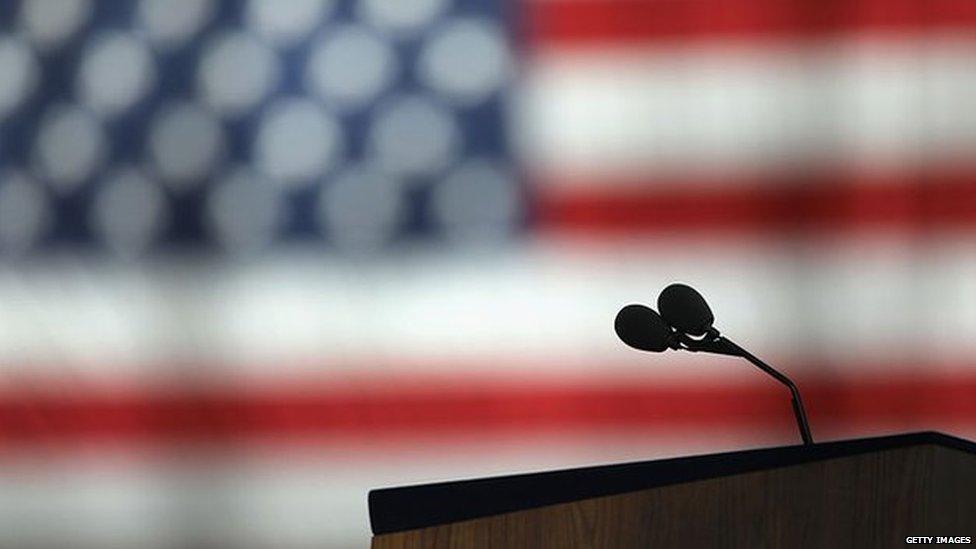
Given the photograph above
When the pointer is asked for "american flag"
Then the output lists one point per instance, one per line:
(261, 256)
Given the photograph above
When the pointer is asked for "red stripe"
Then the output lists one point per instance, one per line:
(576, 22)
(464, 406)
(907, 204)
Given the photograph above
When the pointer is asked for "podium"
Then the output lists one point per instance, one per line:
(873, 492)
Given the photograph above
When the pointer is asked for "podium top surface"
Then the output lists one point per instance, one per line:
(410, 507)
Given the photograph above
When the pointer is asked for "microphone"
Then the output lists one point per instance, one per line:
(685, 313)
(685, 309)
(643, 329)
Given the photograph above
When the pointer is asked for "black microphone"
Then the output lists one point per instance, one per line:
(686, 311)
(642, 328)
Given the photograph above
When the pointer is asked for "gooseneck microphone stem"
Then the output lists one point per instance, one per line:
(798, 411)
(714, 342)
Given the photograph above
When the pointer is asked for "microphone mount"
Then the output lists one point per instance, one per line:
(686, 322)
(714, 342)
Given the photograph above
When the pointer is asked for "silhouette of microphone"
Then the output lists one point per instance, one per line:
(685, 313)
(643, 329)
(685, 309)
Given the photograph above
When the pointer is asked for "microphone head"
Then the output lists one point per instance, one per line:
(642, 328)
(685, 309)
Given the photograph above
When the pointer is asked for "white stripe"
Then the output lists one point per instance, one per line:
(739, 106)
(520, 312)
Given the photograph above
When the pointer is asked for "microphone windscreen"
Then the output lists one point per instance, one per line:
(642, 328)
(685, 310)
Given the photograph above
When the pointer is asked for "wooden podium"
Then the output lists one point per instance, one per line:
(859, 493)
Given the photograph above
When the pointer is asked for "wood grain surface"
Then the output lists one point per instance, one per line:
(870, 500)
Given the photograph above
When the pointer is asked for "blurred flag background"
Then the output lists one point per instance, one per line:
(261, 256)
